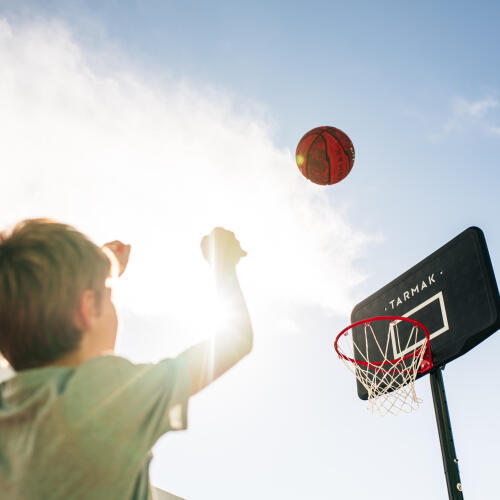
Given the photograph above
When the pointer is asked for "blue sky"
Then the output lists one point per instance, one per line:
(397, 68)
(188, 115)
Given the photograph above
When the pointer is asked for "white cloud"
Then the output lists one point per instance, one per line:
(474, 108)
(495, 130)
(122, 157)
(465, 112)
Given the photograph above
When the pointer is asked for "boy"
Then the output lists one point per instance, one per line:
(76, 422)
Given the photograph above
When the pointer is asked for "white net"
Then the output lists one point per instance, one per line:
(388, 379)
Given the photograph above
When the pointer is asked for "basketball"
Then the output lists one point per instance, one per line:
(325, 155)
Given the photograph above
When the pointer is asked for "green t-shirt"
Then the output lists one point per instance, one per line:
(87, 432)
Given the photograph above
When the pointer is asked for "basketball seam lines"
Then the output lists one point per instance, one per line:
(308, 174)
(330, 131)
(320, 135)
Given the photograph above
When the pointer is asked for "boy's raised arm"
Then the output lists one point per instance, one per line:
(234, 336)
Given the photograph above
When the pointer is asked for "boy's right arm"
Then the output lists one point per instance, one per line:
(234, 335)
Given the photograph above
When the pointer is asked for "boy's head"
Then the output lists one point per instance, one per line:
(50, 275)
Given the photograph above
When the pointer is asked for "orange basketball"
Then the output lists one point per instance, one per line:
(325, 155)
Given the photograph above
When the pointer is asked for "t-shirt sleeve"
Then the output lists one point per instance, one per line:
(133, 402)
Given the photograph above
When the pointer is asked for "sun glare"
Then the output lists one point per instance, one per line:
(159, 166)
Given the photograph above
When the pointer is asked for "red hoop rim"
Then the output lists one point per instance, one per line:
(426, 364)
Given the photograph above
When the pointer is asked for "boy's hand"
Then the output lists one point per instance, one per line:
(120, 253)
(221, 248)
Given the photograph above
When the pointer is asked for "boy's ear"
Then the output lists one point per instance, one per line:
(83, 317)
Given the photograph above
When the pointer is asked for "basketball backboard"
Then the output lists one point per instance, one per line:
(453, 292)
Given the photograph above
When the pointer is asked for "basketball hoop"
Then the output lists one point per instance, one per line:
(386, 361)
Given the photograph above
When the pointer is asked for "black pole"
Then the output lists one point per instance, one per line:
(450, 460)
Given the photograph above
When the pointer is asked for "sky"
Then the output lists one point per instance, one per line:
(153, 122)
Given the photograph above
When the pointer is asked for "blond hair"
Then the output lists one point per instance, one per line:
(45, 266)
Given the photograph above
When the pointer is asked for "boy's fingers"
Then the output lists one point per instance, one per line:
(223, 242)
(116, 245)
(204, 247)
